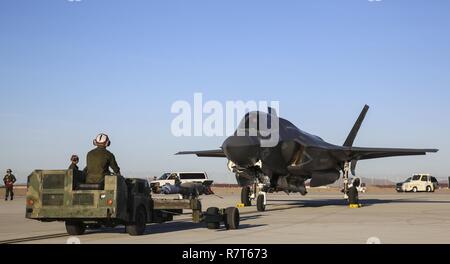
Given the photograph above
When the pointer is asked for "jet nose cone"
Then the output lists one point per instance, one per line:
(242, 150)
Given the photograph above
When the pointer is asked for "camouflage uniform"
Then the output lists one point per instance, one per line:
(9, 181)
(99, 160)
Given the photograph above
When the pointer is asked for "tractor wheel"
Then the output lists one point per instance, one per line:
(137, 228)
(75, 228)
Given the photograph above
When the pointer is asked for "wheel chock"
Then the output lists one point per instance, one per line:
(355, 206)
(240, 205)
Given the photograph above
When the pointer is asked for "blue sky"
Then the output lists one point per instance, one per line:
(69, 70)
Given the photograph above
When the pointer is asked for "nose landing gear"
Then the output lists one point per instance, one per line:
(254, 192)
(261, 202)
(245, 196)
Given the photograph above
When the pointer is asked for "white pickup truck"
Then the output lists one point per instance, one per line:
(418, 183)
(185, 177)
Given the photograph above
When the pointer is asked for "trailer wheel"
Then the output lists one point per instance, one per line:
(245, 196)
(75, 228)
(214, 211)
(232, 218)
(137, 228)
(260, 203)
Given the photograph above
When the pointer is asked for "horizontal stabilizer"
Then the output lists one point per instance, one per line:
(374, 153)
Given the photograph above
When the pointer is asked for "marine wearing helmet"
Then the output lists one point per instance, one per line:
(74, 161)
(99, 160)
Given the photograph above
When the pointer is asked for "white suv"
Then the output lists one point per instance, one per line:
(169, 178)
(418, 183)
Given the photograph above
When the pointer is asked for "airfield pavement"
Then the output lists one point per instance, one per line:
(320, 217)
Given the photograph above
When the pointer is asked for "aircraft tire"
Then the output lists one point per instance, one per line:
(260, 203)
(245, 196)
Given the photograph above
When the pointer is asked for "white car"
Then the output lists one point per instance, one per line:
(169, 178)
(418, 183)
(362, 188)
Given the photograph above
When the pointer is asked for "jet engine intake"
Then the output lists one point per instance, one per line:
(242, 150)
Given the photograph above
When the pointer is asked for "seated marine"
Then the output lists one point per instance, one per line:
(99, 160)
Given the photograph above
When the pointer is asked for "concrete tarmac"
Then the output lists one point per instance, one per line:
(321, 217)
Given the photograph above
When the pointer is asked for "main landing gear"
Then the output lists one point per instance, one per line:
(345, 177)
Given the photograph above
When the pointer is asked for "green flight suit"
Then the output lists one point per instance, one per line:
(99, 160)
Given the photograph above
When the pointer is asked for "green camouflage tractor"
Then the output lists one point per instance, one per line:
(61, 195)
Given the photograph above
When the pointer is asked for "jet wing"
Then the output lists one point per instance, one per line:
(374, 153)
(216, 153)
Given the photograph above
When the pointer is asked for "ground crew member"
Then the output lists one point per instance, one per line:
(78, 176)
(74, 161)
(99, 160)
(9, 181)
(353, 198)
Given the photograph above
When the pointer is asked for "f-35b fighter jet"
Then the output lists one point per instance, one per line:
(293, 159)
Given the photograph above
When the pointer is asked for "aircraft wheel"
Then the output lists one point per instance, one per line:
(232, 218)
(245, 196)
(260, 203)
(75, 228)
(214, 211)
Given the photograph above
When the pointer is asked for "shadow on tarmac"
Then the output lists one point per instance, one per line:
(175, 226)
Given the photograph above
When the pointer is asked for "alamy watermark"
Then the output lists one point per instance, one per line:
(373, 241)
(213, 118)
(73, 240)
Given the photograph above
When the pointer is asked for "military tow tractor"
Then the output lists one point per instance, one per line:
(61, 195)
